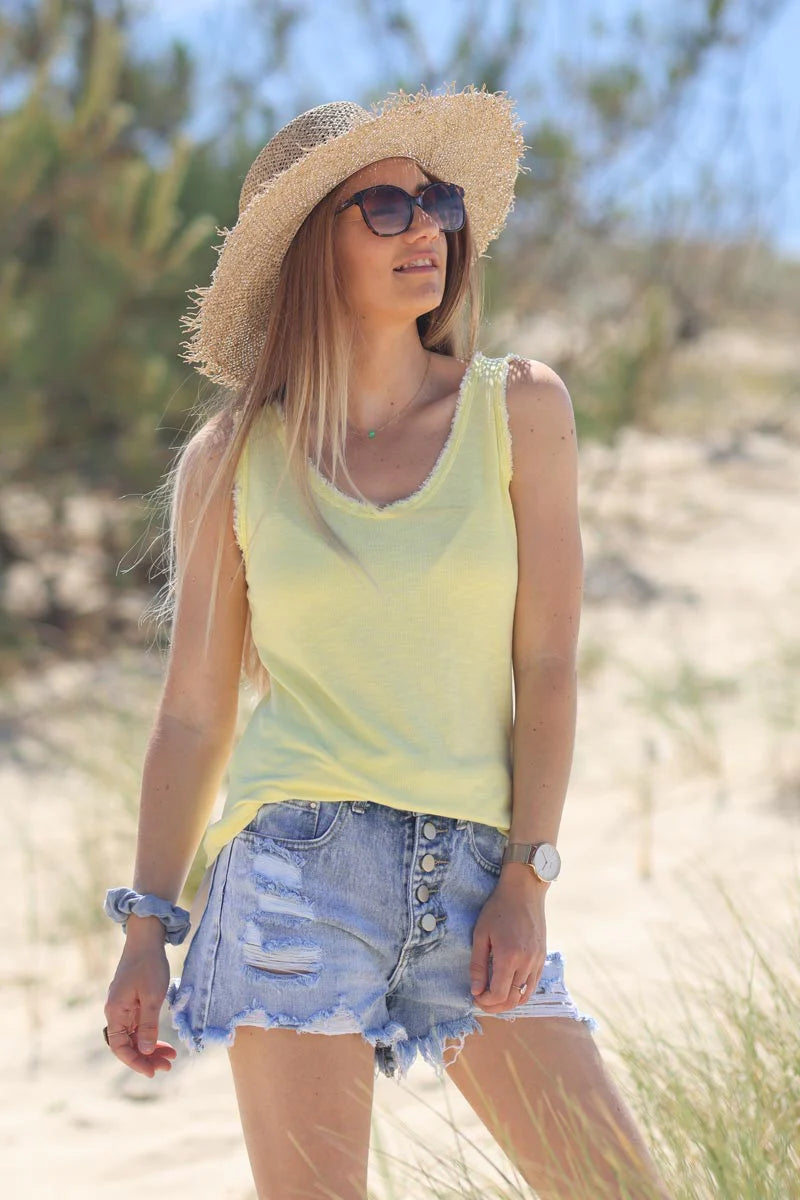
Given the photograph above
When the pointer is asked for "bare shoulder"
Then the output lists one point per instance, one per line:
(198, 471)
(541, 417)
(537, 393)
(206, 446)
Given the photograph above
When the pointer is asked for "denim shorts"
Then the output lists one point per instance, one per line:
(348, 916)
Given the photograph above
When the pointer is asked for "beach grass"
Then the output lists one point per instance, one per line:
(716, 1093)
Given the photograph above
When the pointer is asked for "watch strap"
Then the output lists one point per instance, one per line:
(520, 852)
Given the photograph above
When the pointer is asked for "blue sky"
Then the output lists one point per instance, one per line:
(759, 164)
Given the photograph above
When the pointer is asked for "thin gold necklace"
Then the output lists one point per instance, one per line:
(371, 433)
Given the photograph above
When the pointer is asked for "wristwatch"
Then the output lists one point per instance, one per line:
(542, 857)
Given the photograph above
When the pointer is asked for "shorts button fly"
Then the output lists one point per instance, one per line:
(427, 862)
(423, 893)
(428, 922)
(429, 829)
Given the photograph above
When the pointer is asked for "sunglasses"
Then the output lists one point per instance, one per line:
(389, 210)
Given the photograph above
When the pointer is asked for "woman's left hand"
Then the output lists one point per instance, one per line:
(511, 927)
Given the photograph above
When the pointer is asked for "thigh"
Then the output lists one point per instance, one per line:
(305, 1101)
(540, 1086)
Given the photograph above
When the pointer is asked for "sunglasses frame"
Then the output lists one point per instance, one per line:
(358, 198)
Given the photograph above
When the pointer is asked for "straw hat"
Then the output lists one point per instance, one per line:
(472, 138)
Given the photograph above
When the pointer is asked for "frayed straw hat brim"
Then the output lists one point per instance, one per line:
(472, 138)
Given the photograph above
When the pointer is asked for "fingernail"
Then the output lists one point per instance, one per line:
(147, 1047)
(475, 989)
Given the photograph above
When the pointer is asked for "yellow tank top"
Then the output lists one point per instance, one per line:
(398, 690)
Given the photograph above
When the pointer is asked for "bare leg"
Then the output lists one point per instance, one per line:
(540, 1086)
(305, 1101)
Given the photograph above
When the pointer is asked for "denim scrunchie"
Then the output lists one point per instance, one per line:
(120, 902)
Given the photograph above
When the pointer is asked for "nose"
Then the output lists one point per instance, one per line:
(422, 222)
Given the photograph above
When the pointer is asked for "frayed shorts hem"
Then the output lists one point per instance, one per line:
(395, 1051)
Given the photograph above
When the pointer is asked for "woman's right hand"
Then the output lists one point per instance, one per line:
(134, 1001)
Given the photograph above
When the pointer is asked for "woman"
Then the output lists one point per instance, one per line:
(353, 527)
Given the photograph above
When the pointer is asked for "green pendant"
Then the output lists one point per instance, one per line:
(372, 433)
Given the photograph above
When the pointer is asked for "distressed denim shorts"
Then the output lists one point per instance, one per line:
(349, 916)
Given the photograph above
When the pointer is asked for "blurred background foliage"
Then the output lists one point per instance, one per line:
(110, 211)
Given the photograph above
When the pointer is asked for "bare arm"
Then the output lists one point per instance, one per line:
(194, 728)
(511, 926)
(547, 614)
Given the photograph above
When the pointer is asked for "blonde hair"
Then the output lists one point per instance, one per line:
(303, 366)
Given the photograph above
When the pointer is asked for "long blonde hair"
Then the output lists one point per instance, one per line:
(304, 366)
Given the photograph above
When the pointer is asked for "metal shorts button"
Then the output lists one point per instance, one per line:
(427, 862)
(428, 922)
(423, 892)
(429, 829)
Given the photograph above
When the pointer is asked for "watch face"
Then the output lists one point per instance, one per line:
(547, 862)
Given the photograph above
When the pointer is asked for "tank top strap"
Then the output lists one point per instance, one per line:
(500, 409)
(489, 415)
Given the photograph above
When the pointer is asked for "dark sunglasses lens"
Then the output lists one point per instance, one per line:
(445, 204)
(387, 208)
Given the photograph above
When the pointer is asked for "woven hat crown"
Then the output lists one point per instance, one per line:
(298, 138)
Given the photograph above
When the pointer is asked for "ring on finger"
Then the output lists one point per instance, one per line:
(128, 1032)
